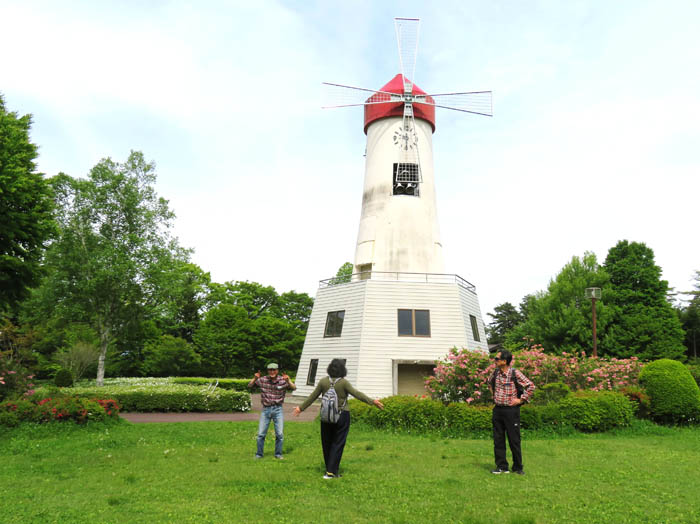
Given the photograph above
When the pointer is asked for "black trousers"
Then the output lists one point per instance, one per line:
(333, 437)
(506, 422)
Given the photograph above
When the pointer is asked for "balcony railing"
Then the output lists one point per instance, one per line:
(395, 276)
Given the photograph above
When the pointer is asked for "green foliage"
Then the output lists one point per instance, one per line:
(645, 323)
(170, 356)
(235, 384)
(78, 358)
(103, 269)
(184, 289)
(689, 316)
(63, 378)
(641, 400)
(26, 220)
(9, 419)
(224, 341)
(585, 411)
(553, 392)
(343, 275)
(504, 318)
(561, 319)
(175, 398)
(675, 396)
(694, 368)
(596, 411)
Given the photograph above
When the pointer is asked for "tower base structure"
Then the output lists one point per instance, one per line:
(391, 329)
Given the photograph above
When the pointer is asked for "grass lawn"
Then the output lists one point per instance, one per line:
(205, 472)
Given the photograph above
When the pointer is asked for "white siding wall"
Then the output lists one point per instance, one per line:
(470, 306)
(348, 297)
(370, 340)
(381, 344)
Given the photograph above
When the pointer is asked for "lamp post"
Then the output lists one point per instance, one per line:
(594, 294)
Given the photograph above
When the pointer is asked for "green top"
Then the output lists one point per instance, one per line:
(342, 388)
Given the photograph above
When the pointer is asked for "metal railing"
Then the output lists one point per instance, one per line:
(396, 276)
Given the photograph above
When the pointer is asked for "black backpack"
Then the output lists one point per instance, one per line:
(514, 378)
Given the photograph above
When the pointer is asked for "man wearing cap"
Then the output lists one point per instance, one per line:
(272, 391)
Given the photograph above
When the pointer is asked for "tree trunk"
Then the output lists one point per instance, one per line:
(104, 342)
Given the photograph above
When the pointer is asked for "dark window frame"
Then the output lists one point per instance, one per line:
(414, 176)
(413, 323)
(311, 375)
(334, 324)
(475, 328)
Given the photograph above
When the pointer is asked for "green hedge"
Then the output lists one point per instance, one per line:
(585, 411)
(675, 396)
(176, 397)
(235, 384)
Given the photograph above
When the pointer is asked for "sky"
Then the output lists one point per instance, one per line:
(595, 136)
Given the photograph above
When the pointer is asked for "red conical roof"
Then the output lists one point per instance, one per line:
(376, 111)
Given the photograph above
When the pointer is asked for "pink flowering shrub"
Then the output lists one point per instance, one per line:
(14, 379)
(463, 375)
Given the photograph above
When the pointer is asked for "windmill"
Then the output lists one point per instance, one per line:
(404, 151)
(399, 312)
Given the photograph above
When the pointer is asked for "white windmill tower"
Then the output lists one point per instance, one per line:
(399, 312)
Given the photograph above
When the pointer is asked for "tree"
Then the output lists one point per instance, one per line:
(644, 323)
(254, 298)
(26, 220)
(224, 341)
(184, 288)
(344, 273)
(689, 316)
(295, 308)
(561, 319)
(78, 358)
(113, 238)
(505, 317)
(170, 356)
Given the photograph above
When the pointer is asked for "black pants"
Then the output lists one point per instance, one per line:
(506, 421)
(333, 437)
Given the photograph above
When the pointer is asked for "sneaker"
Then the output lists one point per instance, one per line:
(279, 457)
(498, 471)
(257, 457)
(519, 472)
(329, 476)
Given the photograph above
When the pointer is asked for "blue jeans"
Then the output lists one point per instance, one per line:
(276, 415)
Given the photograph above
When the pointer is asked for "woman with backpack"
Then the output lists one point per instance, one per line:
(335, 416)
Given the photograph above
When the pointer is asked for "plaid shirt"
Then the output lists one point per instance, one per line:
(272, 390)
(505, 392)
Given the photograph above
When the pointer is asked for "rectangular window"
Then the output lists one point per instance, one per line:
(334, 323)
(475, 328)
(311, 377)
(406, 179)
(414, 322)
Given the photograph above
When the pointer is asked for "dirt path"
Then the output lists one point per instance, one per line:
(289, 405)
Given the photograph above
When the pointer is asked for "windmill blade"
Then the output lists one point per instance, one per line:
(338, 95)
(407, 38)
(476, 102)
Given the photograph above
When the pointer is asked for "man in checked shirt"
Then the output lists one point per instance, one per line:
(272, 391)
(508, 397)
